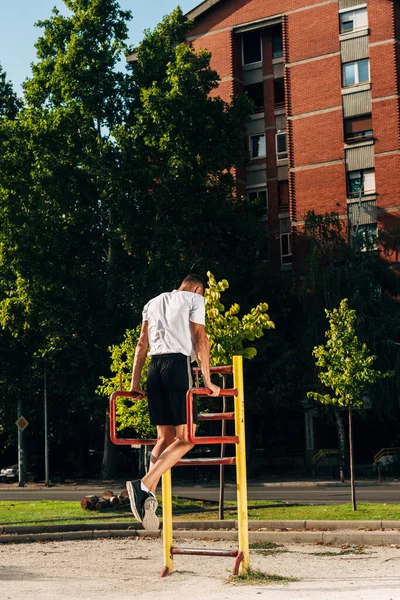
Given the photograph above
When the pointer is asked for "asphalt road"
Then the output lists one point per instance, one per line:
(302, 494)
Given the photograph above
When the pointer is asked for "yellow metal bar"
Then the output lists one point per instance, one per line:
(167, 520)
(243, 525)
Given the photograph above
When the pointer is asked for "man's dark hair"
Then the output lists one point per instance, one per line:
(194, 279)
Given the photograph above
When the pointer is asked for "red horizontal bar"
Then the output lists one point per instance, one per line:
(113, 422)
(203, 462)
(206, 392)
(223, 369)
(203, 552)
(217, 416)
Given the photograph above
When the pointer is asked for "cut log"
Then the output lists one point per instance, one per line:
(102, 504)
(107, 494)
(89, 502)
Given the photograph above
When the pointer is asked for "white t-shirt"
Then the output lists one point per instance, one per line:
(169, 316)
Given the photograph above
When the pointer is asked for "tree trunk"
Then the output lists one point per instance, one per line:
(351, 452)
(341, 442)
(109, 464)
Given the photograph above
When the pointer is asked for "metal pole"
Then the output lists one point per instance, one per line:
(222, 454)
(243, 525)
(21, 470)
(46, 442)
(167, 523)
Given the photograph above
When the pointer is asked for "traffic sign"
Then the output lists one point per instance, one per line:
(22, 423)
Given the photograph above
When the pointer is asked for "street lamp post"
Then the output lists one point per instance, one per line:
(46, 441)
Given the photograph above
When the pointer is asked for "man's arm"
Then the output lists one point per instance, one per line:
(140, 357)
(202, 348)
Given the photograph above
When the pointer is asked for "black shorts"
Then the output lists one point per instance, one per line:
(168, 380)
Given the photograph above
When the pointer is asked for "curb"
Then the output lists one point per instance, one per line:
(355, 538)
(368, 533)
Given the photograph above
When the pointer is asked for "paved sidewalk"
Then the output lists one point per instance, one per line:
(130, 568)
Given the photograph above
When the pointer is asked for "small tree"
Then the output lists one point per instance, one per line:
(346, 368)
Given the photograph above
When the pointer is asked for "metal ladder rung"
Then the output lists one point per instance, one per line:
(226, 416)
(199, 462)
(204, 552)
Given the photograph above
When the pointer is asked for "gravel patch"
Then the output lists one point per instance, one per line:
(130, 567)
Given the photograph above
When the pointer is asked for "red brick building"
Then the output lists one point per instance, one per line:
(324, 76)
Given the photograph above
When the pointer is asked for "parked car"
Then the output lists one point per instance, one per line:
(9, 473)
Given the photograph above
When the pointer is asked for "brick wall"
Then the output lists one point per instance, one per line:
(313, 32)
(383, 70)
(228, 14)
(385, 124)
(380, 20)
(387, 169)
(318, 138)
(322, 189)
(315, 85)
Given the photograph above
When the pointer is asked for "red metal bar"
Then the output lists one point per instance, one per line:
(113, 422)
(189, 416)
(223, 369)
(201, 462)
(238, 560)
(224, 416)
(164, 572)
(203, 552)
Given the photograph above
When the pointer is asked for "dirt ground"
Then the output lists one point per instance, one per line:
(121, 569)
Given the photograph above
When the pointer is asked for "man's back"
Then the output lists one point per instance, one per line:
(169, 316)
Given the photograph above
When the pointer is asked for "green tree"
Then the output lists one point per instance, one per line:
(345, 367)
(63, 271)
(337, 269)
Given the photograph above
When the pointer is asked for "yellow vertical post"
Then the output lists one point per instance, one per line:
(167, 521)
(241, 477)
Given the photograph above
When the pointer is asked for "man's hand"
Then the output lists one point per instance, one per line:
(215, 390)
(137, 393)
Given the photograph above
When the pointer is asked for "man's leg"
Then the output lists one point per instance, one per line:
(168, 458)
(165, 437)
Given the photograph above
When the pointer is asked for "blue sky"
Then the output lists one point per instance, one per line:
(18, 34)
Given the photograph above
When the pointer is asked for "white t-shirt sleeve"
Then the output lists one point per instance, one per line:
(197, 312)
(144, 313)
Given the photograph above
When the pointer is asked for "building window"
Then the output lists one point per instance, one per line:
(259, 197)
(257, 146)
(277, 46)
(361, 183)
(251, 48)
(279, 92)
(356, 72)
(358, 128)
(255, 91)
(283, 195)
(286, 248)
(281, 148)
(365, 237)
(353, 20)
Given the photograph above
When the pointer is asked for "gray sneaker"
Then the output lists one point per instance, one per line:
(150, 519)
(143, 505)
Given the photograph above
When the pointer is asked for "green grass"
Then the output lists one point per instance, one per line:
(255, 577)
(41, 511)
(259, 510)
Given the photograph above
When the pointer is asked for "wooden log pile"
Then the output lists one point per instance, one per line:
(107, 501)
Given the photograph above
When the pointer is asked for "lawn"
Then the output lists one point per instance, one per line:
(42, 511)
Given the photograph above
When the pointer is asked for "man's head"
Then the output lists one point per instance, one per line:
(193, 283)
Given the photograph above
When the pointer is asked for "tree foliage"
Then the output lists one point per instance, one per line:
(345, 364)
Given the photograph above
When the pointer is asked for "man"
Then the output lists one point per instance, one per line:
(174, 330)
